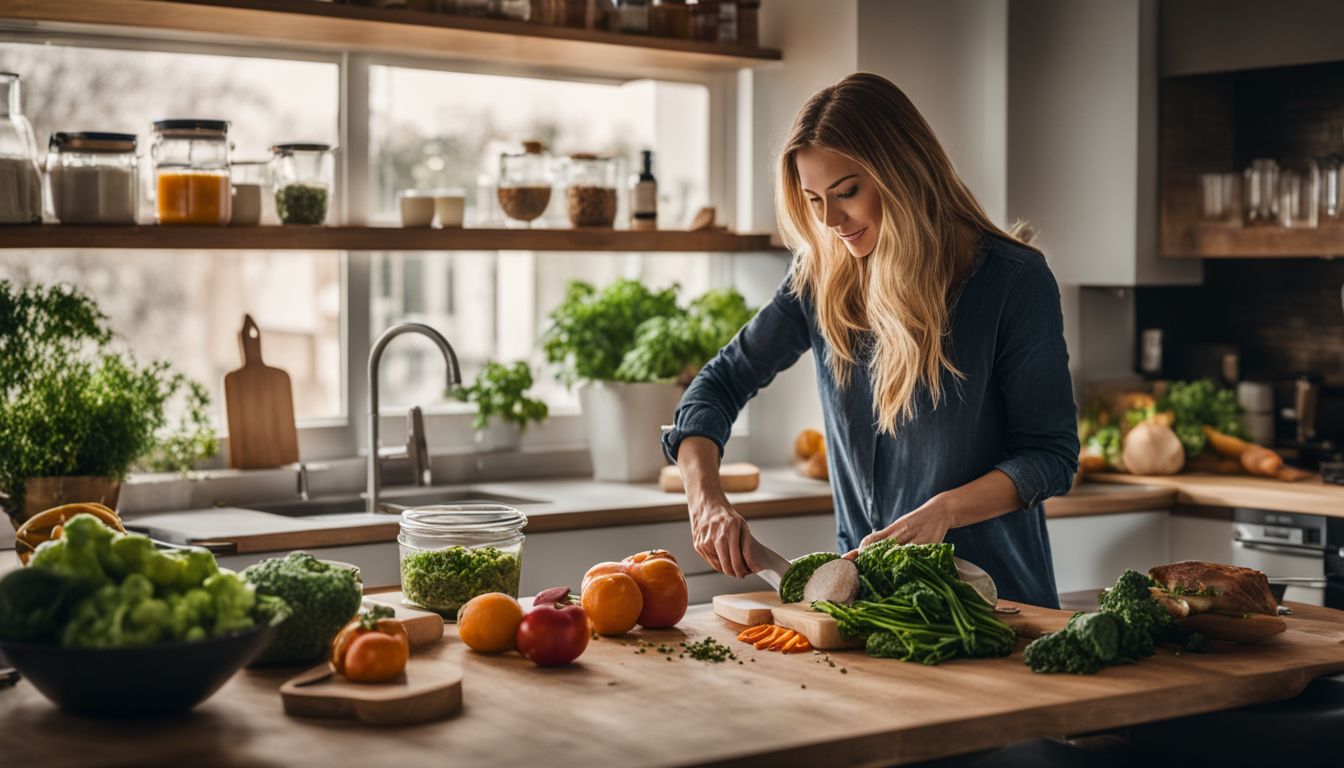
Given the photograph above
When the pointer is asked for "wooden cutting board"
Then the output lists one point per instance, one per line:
(422, 627)
(823, 633)
(260, 405)
(735, 478)
(428, 690)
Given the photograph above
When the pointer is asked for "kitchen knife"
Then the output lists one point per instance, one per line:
(770, 563)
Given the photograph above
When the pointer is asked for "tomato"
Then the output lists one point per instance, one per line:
(374, 657)
(550, 636)
(364, 623)
(601, 569)
(663, 585)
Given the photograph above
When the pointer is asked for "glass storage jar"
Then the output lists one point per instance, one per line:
(20, 180)
(93, 177)
(590, 190)
(525, 182)
(191, 171)
(452, 553)
(303, 175)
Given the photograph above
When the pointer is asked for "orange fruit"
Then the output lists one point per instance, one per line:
(601, 569)
(613, 603)
(664, 588)
(489, 623)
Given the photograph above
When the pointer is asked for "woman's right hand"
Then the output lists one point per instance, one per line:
(721, 536)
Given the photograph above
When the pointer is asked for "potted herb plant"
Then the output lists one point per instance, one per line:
(633, 350)
(503, 409)
(78, 413)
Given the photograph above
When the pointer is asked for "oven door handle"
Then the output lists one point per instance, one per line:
(1281, 549)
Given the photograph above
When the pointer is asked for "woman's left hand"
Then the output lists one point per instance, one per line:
(927, 524)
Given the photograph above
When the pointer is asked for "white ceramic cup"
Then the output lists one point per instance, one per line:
(417, 208)
(451, 209)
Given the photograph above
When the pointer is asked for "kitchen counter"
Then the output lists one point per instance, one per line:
(566, 505)
(1307, 496)
(617, 706)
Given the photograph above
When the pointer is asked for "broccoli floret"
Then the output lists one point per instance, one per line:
(321, 598)
(82, 552)
(1143, 619)
(1087, 643)
(33, 603)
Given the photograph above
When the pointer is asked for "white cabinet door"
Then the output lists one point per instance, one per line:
(1091, 552)
(1200, 538)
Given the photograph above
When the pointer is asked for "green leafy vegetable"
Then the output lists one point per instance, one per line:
(793, 581)
(73, 404)
(99, 588)
(1087, 643)
(321, 596)
(500, 391)
(443, 580)
(1194, 404)
(627, 332)
(915, 607)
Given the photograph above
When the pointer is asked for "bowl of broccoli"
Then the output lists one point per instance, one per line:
(109, 624)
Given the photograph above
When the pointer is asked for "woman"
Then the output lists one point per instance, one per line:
(939, 352)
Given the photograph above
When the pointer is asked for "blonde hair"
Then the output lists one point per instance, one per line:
(900, 292)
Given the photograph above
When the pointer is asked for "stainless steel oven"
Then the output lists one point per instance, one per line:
(1289, 548)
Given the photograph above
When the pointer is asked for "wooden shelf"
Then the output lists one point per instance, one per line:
(1223, 241)
(307, 24)
(374, 239)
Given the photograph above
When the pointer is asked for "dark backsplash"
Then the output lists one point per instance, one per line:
(1283, 317)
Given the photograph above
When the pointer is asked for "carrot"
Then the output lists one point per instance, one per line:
(793, 641)
(780, 641)
(1261, 461)
(802, 646)
(769, 640)
(1225, 444)
(751, 633)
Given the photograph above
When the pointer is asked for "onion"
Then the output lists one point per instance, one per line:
(1152, 448)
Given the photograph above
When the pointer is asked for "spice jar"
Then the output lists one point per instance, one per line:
(251, 179)
(705, 20)
(450, 554)
(93, 177)
(748, 23)
(525, 183)
(671, 18)
(191, 171)
(303, 175)
(590, 190)
(20, 181)
(633, 17)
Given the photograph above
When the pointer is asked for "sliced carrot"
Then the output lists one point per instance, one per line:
(779, 642)
(799, 645)
(788, 647)
(769, 639)
(751, 633)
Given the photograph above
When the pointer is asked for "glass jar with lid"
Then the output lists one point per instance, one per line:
(452, 553)
(20, 180)
(93, 177)
(590, 190)
(191, 171)
(303, 174)
(525, 182)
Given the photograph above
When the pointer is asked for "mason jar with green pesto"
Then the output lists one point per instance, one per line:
(452, 553)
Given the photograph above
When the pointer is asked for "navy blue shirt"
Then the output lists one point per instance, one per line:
(1013, 411)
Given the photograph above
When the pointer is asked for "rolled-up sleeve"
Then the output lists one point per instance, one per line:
(1032, 367)
(774, 340)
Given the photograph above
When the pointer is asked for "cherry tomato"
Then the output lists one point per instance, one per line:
(551, 636)
(359, 626)
(374, 657)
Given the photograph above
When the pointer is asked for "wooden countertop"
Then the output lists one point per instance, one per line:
(570, 504)
(618, 707)
(1307, 496)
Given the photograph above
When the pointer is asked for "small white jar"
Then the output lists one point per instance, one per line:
(417, 208)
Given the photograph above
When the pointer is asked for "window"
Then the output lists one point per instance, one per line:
(187, 306)
(436, 129)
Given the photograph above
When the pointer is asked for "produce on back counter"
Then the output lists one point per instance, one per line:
(1152, 448)
(489, 623)
(913, 606)
(99, 588)
(372, 648)
(554, 632)
(443, 580)
(322, 596)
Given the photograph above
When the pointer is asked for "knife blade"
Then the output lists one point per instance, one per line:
(770, 564)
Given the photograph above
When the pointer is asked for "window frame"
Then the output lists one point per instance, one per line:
(448, 430)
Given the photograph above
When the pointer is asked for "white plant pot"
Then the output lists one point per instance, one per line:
(624, 426)
(498, 435)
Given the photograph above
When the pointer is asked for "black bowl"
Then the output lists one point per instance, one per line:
(162, 679)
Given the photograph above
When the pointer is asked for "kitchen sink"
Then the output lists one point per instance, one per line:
(392, 501)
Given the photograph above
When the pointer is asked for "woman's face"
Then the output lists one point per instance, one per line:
(842, 196)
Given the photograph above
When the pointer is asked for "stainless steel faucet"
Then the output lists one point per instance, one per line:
(416, 443)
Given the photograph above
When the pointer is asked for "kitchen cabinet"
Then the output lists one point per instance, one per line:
(1202, 538)
(1090, 552)
(1083, 139)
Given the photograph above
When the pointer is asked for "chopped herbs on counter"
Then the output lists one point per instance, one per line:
(301, 204)
(709, 649)
(443, 580)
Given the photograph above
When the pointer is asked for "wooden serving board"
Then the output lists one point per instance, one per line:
(259, 401)
(823, 633)
(422, 627)
(734, 478)
(428, 690)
